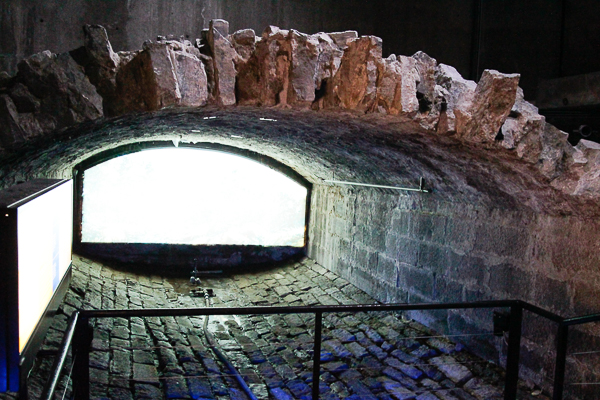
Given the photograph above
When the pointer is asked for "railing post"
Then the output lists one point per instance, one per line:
(81, 354)
(514, 350)
(317, 355)
(561, 361)
(59, 360)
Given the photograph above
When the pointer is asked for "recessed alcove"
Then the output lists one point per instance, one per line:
(163, 204)
(490, 226)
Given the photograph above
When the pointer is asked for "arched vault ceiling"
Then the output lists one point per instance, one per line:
(320, 146)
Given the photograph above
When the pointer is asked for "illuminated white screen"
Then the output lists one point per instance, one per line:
(191, 196)
(44, 234)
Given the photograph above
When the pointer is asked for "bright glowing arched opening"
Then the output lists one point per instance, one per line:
(191, 196)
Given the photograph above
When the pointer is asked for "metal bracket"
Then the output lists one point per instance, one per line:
(200, 292)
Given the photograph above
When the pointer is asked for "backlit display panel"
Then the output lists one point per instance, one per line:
(191, 196)
(44, 231)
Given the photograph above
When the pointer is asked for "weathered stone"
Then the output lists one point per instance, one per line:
(145, 391)
(126, 56)
(6, 79)
(273, 58)
(24, 101)
(11, 133)
(523, 121)
(304, 55)
(426, 69)
(536, 141)
(457, 98)
(457, 372)
(143, 357)
(397, 390)
(99, 359)
(99, 48)
(328, 62)
(191, 79)
(145, 373)
(483, 390)
(244, 43)
(342, 39)
(101, 63)
(224, 56)
(554, 144)
(397, 86)
(176, 388)
(354, 86)
(61, 85)
(148, 82)
(581, 177)
(121, 363)
(494, 97)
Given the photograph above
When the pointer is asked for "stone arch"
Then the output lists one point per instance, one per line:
(509, 196)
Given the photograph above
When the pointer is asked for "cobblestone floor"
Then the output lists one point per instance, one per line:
(365, 355)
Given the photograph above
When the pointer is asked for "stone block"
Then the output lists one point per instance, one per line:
(433, 257)
(121, 363)
(65, 92)
(397, 390)
(144, 373)
(244, 42)
(465, 269)
(145, 391)
(223, 57)
(11, 134)
(457, 372)
(493, 99)
(354, 86)
(101, 63)
(511, 280)
(397, 86)
(304, 64)
(447, 290)
(457, 97)
(175, 387)
(553, 294)
(386, 268)
(148, 82)
(504, 241)
(24, 101)
(417, 281)
(99, 359)
(191, 79)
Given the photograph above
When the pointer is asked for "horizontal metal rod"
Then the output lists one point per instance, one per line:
(158, 312)
(419, 189)
(584, 319)
(541, 312)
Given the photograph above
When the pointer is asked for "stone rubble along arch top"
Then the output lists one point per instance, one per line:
(288, 69)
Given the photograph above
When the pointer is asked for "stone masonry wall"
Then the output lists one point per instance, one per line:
(410, 248)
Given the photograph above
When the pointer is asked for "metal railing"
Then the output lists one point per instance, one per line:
(561, 350)
(79, 334)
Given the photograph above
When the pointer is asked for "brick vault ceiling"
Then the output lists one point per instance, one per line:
(319, 146)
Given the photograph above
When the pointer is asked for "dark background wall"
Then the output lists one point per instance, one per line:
(539, 39)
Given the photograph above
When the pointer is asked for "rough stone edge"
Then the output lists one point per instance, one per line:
(448, 103)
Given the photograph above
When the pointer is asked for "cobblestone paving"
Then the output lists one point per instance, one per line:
(365, 355)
